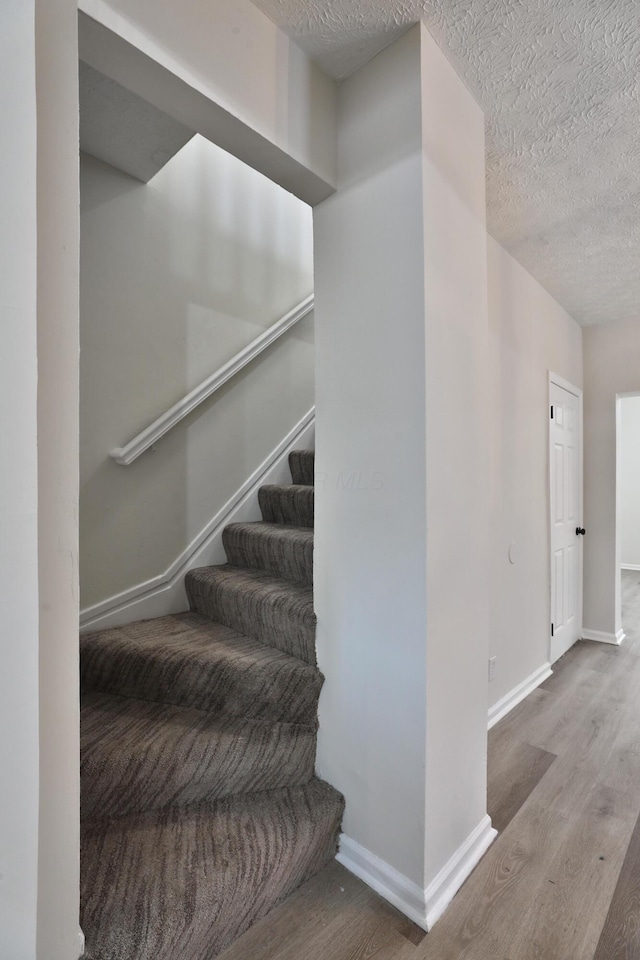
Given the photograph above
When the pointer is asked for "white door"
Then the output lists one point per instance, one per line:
(565, 418)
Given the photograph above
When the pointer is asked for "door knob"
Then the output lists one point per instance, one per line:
(580, 531)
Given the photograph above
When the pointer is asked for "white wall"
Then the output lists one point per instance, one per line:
(456, 345)
(611, 354)
(530, 334)
(39, 796)
(370, 556)
(401, 341)
(629, 482)
(177, 275)
(272, 105)
(18, 490)
(58, 270)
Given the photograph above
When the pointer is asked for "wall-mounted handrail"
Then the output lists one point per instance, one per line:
(151, 434)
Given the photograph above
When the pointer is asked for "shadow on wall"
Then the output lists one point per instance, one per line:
(177, 275)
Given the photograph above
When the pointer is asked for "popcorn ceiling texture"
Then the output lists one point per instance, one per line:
(559, 86)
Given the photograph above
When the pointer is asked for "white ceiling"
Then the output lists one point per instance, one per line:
(559, 84)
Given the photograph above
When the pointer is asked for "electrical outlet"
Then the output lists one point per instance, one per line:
(492, 668)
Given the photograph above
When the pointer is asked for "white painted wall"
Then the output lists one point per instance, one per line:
(18, 490)
(238, 59)
(611, 354)
(629, 482)
(530, 334)
(39, 796)
(370, 557)
(177, 275)
(401, 344)
(456, 325)
(58, 313)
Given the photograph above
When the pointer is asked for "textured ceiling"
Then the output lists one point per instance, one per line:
(559, 84)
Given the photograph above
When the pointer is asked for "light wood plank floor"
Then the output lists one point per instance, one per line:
(561, 882)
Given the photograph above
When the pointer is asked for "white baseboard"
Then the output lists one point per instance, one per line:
(166, 593)
(80, 942)
(403, 893)
(518, 693)
(446, 884)
(424, 907)
(601, 637)
(630, 566)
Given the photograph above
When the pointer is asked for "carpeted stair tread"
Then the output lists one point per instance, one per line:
(137, 755)
(302, 466)
(284, 550)
(188, 660)
(276, 611)
(287, 504)
(182, 884)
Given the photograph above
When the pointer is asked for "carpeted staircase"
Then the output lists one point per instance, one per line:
(200, 810)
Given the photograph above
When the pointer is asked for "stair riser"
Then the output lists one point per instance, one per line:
(302, 466)
(227, 691)
(290, 559)
(288, 505)
(117, 783)
(271, 621)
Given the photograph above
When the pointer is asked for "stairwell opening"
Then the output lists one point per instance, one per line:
(198, 667)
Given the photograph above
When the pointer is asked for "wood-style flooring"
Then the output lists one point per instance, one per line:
(562, 880)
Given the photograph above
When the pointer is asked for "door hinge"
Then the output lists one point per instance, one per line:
(551, 629)
(552, 411)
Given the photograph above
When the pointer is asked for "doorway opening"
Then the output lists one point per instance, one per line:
(197, 379)
(627, 563)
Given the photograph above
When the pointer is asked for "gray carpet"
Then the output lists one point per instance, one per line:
(302, 466)
(139, 756)
(276, 611)
(291, 504)
(183, 883)
(284, 550)
(188, 660)
(200, 811)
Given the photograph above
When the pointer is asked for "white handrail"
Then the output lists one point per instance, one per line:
(151, 434)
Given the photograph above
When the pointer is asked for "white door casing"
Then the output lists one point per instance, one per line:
(565, 468)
